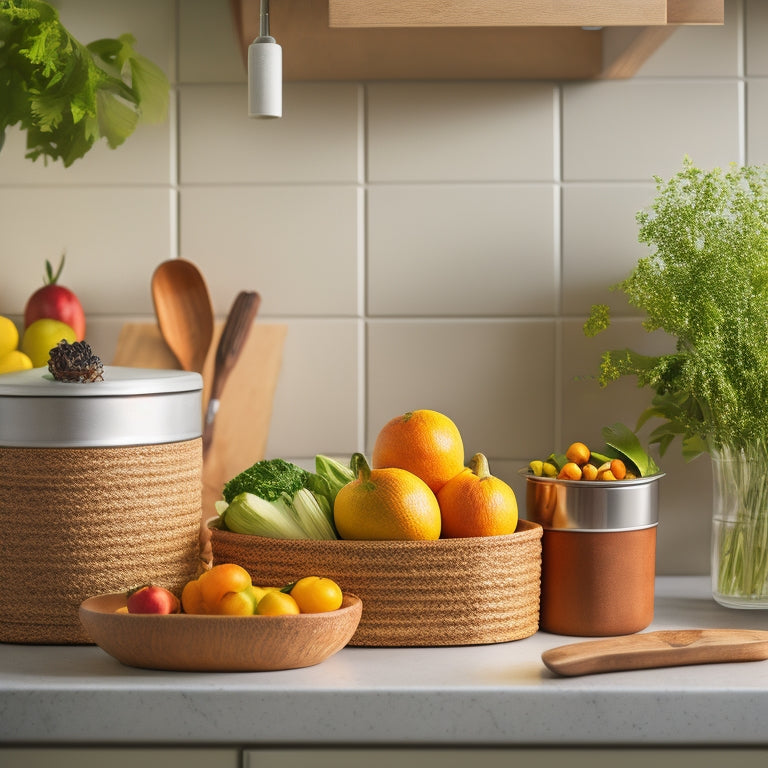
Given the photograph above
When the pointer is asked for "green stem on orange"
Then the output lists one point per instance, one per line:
(479, 465)
(359, 465)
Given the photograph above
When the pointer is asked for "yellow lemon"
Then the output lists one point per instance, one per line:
(9, 336)
(276, 604)
(42, 336)
(14, 361)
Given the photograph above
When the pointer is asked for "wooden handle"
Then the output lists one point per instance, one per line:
(669, 648)
(238, 325)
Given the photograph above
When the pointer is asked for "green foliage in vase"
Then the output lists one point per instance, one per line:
(705, 282)
(67, 95)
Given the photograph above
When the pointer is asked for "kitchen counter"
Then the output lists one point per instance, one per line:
(499, 695)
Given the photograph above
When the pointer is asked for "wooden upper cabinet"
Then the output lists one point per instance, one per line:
(522, 13)
(468, 39)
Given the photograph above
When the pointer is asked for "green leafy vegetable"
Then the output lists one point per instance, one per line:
(269, 479)
(279, 499)
(252, 515)
(67, 95)
(705, 283)
(336, 473)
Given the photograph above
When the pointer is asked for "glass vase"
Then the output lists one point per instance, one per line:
(740, 527)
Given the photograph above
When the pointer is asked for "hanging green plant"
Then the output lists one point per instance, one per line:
(67, 95)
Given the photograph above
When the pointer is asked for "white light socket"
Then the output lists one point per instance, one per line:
(265, 78)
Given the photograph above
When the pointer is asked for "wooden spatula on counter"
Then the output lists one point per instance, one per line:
(236, 328)
(664, 648)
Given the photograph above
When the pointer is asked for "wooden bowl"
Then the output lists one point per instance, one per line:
(192, 643)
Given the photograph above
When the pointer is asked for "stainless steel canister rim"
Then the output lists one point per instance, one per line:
(132, 406)
(580, 505)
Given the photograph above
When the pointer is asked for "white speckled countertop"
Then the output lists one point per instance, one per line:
(490, 695)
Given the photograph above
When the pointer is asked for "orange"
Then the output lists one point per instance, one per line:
(237, 604)
(386, 504)
(426, 443)
(316, 594)
(204, 594)
(191, 599)
(475, 503)
(276, 603)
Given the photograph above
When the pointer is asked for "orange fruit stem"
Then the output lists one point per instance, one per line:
(479, 465)
(360, 466)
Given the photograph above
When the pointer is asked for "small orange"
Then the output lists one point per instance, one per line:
(277, 603)
(386, 504)
(475, 503)
(237, 604)
(191, 598)
(316, 594)
(578, 453)
(424, 442)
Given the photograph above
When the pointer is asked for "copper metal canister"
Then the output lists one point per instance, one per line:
(598, 553)
(100, 491)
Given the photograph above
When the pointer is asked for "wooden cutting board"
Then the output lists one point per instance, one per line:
(244, 415)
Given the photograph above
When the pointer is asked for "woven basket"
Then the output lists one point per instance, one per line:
(415, 593)
(77, 522)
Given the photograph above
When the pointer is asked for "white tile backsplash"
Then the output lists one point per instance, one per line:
(315, 140)
(296, 245)
(316, 407)
(600, 246)
(461, 131)
(755, 26)
(432, 248)
(113, 239)
(495, 379)
(757, 121)
(632, 130)
(427, 244)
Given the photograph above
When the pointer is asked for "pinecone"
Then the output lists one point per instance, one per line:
(75, 362)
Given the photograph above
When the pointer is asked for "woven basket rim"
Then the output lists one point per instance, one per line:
(526, 531)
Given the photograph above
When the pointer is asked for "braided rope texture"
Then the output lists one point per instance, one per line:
(415, 593)
(77, 522)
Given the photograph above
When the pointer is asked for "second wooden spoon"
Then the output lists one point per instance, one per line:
(184, 311)
(236, 328)
(663, 648)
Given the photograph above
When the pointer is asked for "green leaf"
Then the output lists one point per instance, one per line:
(621, 438)
(151, 87)
(117, 120)
(65, 95)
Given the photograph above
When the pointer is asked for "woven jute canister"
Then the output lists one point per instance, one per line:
(415, 593)
(100, 491)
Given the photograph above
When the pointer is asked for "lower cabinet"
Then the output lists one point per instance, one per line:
(459, 757)
(85, 757)
(384, 757)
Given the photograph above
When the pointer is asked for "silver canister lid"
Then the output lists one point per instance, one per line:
(132, 406)
(593, 505)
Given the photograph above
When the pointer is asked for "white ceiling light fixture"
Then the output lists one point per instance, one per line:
(265, 71)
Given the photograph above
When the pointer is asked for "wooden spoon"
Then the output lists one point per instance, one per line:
(184, 311)
(666, 648)
(236, 329)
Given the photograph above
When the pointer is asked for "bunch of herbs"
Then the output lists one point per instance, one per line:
(705, 283)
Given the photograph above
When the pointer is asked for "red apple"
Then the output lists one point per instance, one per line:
(55, 302)
(153, 599)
